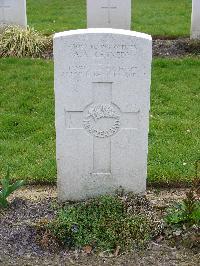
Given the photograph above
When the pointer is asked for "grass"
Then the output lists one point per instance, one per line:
(156, 17)
(27, 118)
(27, 136)
(174, 143)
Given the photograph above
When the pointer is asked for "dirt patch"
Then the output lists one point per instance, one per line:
(19, 245)
(175, 48)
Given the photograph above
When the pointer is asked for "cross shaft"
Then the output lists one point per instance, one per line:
(109, 8)
(3, 6)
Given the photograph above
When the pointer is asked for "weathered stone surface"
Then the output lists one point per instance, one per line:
(13, 12)
(109, 14)
(195, 28)
(102, 92)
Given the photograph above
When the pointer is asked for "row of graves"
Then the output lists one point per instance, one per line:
(102, 99)
(100, 14)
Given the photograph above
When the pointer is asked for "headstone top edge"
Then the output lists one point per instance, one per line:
(103, 30)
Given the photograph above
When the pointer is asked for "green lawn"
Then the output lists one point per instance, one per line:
(156, 17)
(27, 136)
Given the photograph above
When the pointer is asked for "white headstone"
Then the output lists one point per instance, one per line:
(109, 14)
(195, 29)
(13, 12)
(102, 92)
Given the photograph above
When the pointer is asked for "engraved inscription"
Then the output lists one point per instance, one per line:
(102, 120)
(101, 71)
(102, 51)
(3, 4)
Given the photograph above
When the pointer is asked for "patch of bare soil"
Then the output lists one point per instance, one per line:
(19, 244)
(175, 48)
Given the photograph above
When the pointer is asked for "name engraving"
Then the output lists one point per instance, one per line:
(102, 51)
(98, 113)
(5, 4)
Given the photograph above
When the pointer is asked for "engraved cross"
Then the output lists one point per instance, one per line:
(3, 6)
(102, 146)
(109, 7)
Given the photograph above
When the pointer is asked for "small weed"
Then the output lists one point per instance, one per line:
(183, 221)
(8, 188)
(103, 223)
(186, 212)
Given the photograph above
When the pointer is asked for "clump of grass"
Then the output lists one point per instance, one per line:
(105, 224)
(20, 42)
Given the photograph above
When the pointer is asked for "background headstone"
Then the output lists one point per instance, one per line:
(109, 14)
(102, 92)
(195, 29)
(13, 12)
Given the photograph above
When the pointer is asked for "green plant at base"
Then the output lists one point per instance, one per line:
(102, 223)
(8, 188)
(19, 42)
(186, 212)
